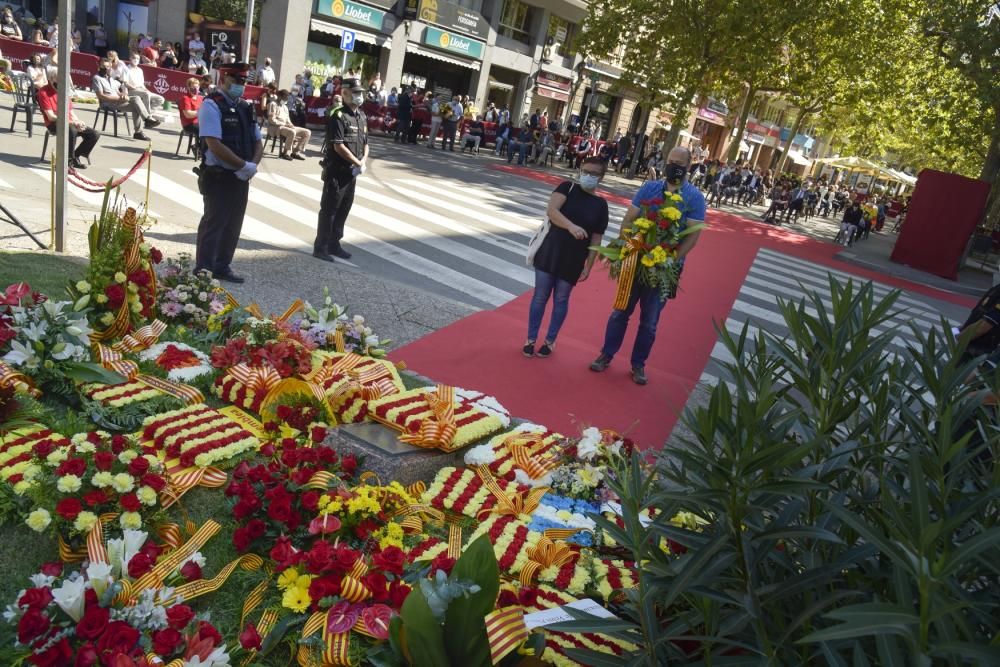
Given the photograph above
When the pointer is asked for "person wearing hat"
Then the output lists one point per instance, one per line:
(231, 150)
(346, 159)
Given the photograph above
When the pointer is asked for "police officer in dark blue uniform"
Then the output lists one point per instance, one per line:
(231, 150)
(345, 160)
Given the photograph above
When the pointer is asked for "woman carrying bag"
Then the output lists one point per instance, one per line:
(577, 220)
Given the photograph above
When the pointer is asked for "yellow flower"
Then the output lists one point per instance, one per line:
(31, 472)
(288, 578)
(69, 484)
(130, 520)
(120, 277)
(137, 307)
(659, 255)
(21, 487)
(127, 456)
(85, 521)
(146, 494)
(643, 224)
(672, 214)
(122, 482)
(57, 457)
(303, 582)
(676, 197)
(297, 599)
(101, 299)
(82, 286)
(39, 520)
(648, 260)
(107, 319)
(102, 479)
(323, 501)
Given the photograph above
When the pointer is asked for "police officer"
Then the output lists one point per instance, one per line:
(231, 150)
(345, 160)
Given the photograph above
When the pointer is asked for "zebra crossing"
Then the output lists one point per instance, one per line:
(775, 276)
(466, 241)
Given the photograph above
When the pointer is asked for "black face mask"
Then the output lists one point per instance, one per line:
(674, 173)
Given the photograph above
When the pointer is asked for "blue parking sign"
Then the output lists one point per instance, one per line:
(347, 40)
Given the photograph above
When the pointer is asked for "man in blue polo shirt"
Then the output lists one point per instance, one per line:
(648, 298)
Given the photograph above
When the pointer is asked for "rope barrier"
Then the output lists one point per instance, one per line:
(93, 186)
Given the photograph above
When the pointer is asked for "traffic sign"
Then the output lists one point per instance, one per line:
(347, 40)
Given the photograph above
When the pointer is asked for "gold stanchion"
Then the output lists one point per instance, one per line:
(149, 172)
(52, 201)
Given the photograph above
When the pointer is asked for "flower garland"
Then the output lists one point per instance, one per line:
(182, 363)
(16, 451)
(198, 436)
(234, 392)
(460, 490)
(120, 395)
(408, 410)
(499, 455)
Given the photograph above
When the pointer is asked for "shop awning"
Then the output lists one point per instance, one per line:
(553, 93)
(360, 35)
(744, 147)
(500, 85)
(437, 55)
(799, 158)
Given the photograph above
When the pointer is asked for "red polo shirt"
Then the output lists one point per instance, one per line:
(48, 101)
(190, 103)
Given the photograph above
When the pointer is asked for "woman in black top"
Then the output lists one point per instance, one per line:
(578, 220)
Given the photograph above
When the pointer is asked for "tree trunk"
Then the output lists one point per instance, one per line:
(734, 148)
(680, 115)
(991, 173)
(796, 126)
(647, 109)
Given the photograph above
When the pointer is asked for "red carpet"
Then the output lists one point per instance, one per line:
(483, 351)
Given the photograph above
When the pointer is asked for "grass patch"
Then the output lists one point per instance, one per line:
(45, 272)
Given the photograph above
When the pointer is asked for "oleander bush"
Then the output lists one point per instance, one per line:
(846, 492)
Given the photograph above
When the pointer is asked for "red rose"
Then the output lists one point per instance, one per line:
(118, 443)
(280, 510)
(166, 641)
(179, 616)
(242, 540)
(155, 255)
(69, 508)
(283, 553)
(104, 460)
(442, 562)
(139, 565)
(119, 637)
(191, 571)
(138, 466)
(527, 596)
(310, 500)
(94, 622)
(377, 584)
(139, 277)
(256, 528)
(52, 568)
(151, 550)
(317, 433)
(155, 482)
(130, 502)
(322, 587)
(390, 559)
(35, 598)
(284, 412)
(207, 631)
(95, 498)
(397, 593)
(319, 557)
(349, 463)
(507, 599)
(250, 639)
(344, 558)
(94, 438)
(72, 467)
(247, 506)
(57, 655)
(43, 448)
(267, 450)
(89, 598)
(86, 656)
(32, 626)
(116, 296)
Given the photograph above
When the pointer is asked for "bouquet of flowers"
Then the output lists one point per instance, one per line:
(198, 435)
(180, 362)
(97, 474)
(187, 298)
(51, 343)
(80, 618)
(329, 327)
(16, 295)
(288, 358)
(647, 250)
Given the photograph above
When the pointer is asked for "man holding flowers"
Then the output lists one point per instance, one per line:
(659, 229)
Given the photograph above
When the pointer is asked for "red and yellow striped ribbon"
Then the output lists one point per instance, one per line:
(351, 588)
(114, 361)
(413, 521)
(170, 534)
(545, 553)
(438, 431)
(170, 562)
(96, 551)
(337, 645)
(454, 540)
(259, 379)
(142, 339)
(156, 660)
(505, 631)
(522, 448)
(339, 344)
(518, 505)
(291, 310)
(626, 278)
(121, 324)
(322, 481)
(180, 482)
(230, 299)
(194, 589)
(16, 379)
(267, 621)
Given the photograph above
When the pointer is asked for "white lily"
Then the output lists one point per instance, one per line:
(35, 330)
(68, 351)
(99, 575)
(70, 597)
(21, 355)
(217, 658)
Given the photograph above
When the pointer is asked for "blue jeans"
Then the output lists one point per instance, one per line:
(650, 306)
(522, 151)
(545, 285)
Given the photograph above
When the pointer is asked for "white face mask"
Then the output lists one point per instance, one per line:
(357, 99)
(589, 181)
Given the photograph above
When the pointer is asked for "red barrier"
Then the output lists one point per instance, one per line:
(83, 66)
(172, 84)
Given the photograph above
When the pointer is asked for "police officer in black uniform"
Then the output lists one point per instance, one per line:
(345, 160)
(231, 150)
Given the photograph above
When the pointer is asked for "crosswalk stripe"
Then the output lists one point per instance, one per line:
(388, 251)
(425, 236)
(5, 185)
(252, 228)
(518, 225)
(458, 194)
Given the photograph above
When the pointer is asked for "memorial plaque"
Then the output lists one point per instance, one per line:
(387, 457)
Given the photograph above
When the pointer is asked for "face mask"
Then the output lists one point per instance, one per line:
(588, 181)
(674, 173)
(103, 71)
(358, 99)
(236, 89)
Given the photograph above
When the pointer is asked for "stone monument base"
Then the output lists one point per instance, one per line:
(387, 457)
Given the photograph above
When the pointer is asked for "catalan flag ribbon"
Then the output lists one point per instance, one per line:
(505, 631)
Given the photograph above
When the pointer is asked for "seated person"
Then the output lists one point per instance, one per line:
(36, 72)
(520, 143)
(189, 105)
(607, 150)
(279, 121)
(503, 137)
(135, 84)
(545, 147)
(112, 95)
(474, 133)
(88, 136)
(581, 151)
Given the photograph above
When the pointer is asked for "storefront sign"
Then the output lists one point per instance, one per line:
(453, 17)
(719, 107)
(448, 41)
(351, 12)
(711, 116)
(757, 128)
(551, 93)
(754, 138)
(553, 81)
(410, 9)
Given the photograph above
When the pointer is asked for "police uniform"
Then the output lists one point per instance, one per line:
(225, 194)
(349, 128)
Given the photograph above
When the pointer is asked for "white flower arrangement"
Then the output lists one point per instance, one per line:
(185, 374)
(480, 455)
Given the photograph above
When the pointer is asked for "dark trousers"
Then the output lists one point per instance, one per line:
(334, 207)
(650, 306)
(88, 139)
(402, 128)
(225, 199)
(448, 129)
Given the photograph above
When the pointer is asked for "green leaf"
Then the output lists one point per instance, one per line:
(421, 638)
(853, 629)
(465, 624)
(987, 655)
(278, 632)
(798, 533)
(88, 372)
(875, 612)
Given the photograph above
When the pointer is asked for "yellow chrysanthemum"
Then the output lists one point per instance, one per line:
(122, 482)
(39, 520)
(85, 521)
(131, 520)
(102, 479)
(288, 578)
(676, 197)
(643, 224)
(672, 214)
(69, 484)
(297, 599)
(146, 495)
(648, 260)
